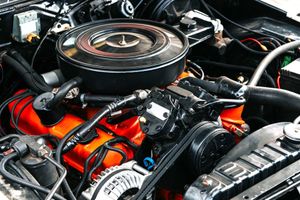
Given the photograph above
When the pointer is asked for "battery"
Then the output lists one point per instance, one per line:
(290, 76)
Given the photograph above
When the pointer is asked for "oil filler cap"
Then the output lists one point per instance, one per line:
(292, 132)
(48, 116)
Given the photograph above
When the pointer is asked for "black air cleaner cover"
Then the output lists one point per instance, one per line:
(121, 55)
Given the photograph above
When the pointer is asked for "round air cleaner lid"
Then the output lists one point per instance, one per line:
(122, 45)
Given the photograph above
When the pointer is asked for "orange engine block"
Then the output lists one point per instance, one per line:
(29, 122)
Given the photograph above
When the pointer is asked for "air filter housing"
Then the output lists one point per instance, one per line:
(121, 55)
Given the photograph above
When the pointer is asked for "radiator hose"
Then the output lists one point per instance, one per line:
(274, 97)
(226, 87)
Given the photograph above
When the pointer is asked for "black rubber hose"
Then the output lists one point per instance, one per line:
(262, 95)
(230, 88)
(14, 54)
(20, 181)
(63, 91)
(26, 75)
(90, 98)
(270, 96)
(37, 77)
(207, 85)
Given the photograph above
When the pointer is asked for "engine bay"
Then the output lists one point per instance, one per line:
(149, 100)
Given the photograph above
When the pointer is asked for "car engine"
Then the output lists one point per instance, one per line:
(149, 99)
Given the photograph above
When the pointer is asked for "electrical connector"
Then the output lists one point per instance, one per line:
(20, 147)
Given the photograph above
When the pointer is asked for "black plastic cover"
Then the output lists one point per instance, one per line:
(121, 55)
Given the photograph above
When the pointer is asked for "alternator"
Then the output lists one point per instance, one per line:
(119, 182)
